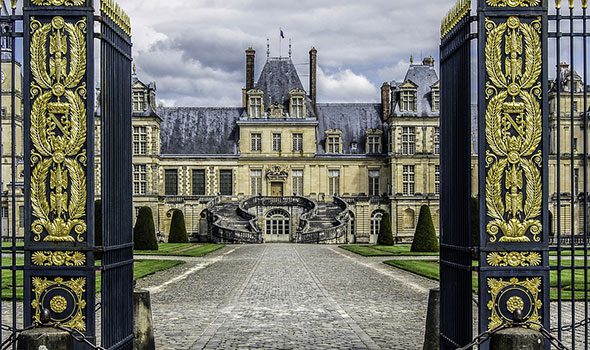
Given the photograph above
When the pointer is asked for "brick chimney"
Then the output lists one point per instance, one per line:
(250, 56)
(386, 100)
(313, 65)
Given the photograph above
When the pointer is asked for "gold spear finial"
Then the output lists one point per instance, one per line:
(571, 4)
(557, 4)
(584, 4)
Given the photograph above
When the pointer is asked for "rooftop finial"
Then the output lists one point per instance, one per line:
(267, 47)
(134, 69)
(411, 59)
(290, 51)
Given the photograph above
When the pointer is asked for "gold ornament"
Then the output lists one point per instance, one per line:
(500, 291)
(514, 259)
(58, 258)
(513, 3)
(112, 10)
(461, 10)
(74, 287)
(513, 130)
(58, 2)
(58, 130)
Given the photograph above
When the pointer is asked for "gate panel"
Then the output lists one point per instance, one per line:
(455, 254)
(514, 258)
(59, 163)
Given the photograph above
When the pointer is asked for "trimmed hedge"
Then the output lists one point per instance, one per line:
(144, 232)
(177, 228)
(425, 238)
(385, 233)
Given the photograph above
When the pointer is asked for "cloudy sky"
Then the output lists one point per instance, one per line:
(194, 49)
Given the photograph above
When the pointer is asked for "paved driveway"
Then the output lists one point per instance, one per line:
(286, 296)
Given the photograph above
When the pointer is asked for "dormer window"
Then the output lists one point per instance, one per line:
(374, 141)
(139, 101)
(435, 95)
(334, 141)
(297, 103)
(408, 98)
(255, 104)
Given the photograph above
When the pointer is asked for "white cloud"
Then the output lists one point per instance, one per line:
(346, 86)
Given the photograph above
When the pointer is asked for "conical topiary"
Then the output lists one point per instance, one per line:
(385, 234)
(177, 228)
(425, 238)
(144, 232)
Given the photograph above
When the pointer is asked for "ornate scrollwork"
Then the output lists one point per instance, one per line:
(513, 3)
(58, 130)
(514, 259)
(58, 2)
(58, 258)
(513, 130)
(455, 15)
(64, 298)
(276, 173)
(507, 296)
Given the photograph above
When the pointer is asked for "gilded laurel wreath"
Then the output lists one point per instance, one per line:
(513, 3)
(58, 2)
(513, 130)
(58, 130)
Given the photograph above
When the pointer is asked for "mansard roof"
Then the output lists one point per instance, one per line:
(277, 79)
(354, 120)
(424, 77)
(199, 130)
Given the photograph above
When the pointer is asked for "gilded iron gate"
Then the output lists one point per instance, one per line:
(525, 138)
(52, 161)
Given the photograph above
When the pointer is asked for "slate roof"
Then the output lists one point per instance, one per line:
(278, 77)
(424, 77)
(353, 119)
(199, 130)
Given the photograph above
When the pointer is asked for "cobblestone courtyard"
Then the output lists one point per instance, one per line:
(284, 296)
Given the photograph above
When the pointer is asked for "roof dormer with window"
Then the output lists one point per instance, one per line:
(255, 103)
(408, 97)
(334, 141)
(297, 107)
(435, 97)
(374, 141)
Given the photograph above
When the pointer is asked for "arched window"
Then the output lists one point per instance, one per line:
(277, 222)
(409, 219)
(376, 219)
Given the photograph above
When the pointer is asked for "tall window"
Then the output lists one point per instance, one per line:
(297, 142)
(171, 182)
(255, 107)
(334, 182)
(256, 182)
(333, 144)
(139, 140)
(435, 99)
(437, 179)
(374, 177)
(139, 179)
(297, 107)
(436, 140)
(226, 179)
(408, 180)
(198, 182)
(376, 219)
(298, 182)
(373, 144)
(256, 142)
(139, 101)
(408, 100)
(277, 222)
(408, 140)
(276, 142)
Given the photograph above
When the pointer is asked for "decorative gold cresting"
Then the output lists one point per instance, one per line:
(58, 2)
(58, 130)
(513, 3)
(513, 130)
(455, 15)
(113, 11)
(584, 4)
(514, 259)
(557, 4)
(59, 258)
(507, 296)
(67, 307)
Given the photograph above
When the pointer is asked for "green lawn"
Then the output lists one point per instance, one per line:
(182, 249)
(430, 269)
(141, 269)
(382, 250)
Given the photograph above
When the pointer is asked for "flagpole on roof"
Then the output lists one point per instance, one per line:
(280, 42)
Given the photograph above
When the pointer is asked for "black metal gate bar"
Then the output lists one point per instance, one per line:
(117, 201)
(456, 254)
(13, 162)
(585, 173)
(58, 94)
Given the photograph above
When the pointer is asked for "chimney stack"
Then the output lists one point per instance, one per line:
(313, 65)
(250, 56)
(386, 100)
